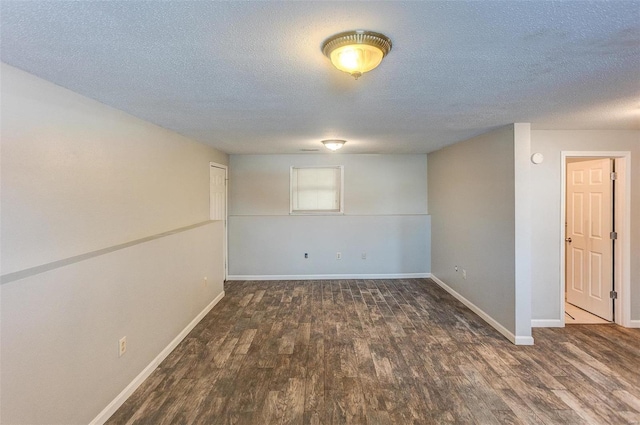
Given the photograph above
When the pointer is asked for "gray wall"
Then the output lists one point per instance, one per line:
(385, 205)
(80, 182)
(546, 178)
(472, 206)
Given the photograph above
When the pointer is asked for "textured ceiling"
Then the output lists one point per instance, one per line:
(249, 77)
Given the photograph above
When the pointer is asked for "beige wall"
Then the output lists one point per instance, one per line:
(78, 179)
(546, 190)
(385, 216)
(60, 328)
(78, 176)
(374, 184)
(472, 207)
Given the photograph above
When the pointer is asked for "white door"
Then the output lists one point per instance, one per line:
(217, 196)
(218, 204)
(588, 241)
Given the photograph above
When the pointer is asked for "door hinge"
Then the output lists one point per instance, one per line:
(613, 235)
(614, 175)
(613, 295)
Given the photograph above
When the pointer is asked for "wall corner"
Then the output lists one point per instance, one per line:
(523, 216)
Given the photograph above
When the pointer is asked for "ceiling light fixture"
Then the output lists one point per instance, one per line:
(356, 52)
(333, 144)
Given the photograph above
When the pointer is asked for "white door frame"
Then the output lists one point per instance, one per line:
(225, 249)
(622, 266)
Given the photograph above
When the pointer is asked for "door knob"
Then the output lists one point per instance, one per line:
(567, 240)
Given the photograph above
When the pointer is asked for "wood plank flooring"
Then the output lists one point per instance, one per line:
(382, 352)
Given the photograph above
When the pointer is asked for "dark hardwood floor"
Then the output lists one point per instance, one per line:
(382, 352)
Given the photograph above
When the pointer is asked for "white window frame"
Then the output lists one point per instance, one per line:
(317, 212)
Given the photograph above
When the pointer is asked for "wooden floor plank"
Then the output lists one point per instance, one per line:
(382, 352)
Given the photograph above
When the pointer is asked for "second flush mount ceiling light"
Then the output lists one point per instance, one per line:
(334, 144)
(356, 52)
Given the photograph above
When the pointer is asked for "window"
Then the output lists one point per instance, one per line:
(316, 190)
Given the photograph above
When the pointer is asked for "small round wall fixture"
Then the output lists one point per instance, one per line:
(356, 52)
(333, 144)
(537, 158)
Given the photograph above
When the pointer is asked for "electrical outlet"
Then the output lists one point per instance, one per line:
(464, 274)
(306, 255)
(456, 268)
(338, 256)
(364, 255)
(122, 346)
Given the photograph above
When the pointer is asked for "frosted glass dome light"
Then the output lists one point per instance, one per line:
(334, 144)
(356, 52)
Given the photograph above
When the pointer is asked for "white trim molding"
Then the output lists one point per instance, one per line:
(22, 274)
(634, 323)
(330, 276)
(523, 340)
(517, 340)
(547, 323)
(138, 380)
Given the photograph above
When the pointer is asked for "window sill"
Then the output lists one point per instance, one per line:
(316, 213)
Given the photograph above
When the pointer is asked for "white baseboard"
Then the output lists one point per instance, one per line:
(133, 385)
(517, 340)
(523, 340)
(555, 323)
(329, 276)
(546, 323)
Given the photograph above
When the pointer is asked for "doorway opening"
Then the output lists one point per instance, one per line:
(595, 253)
